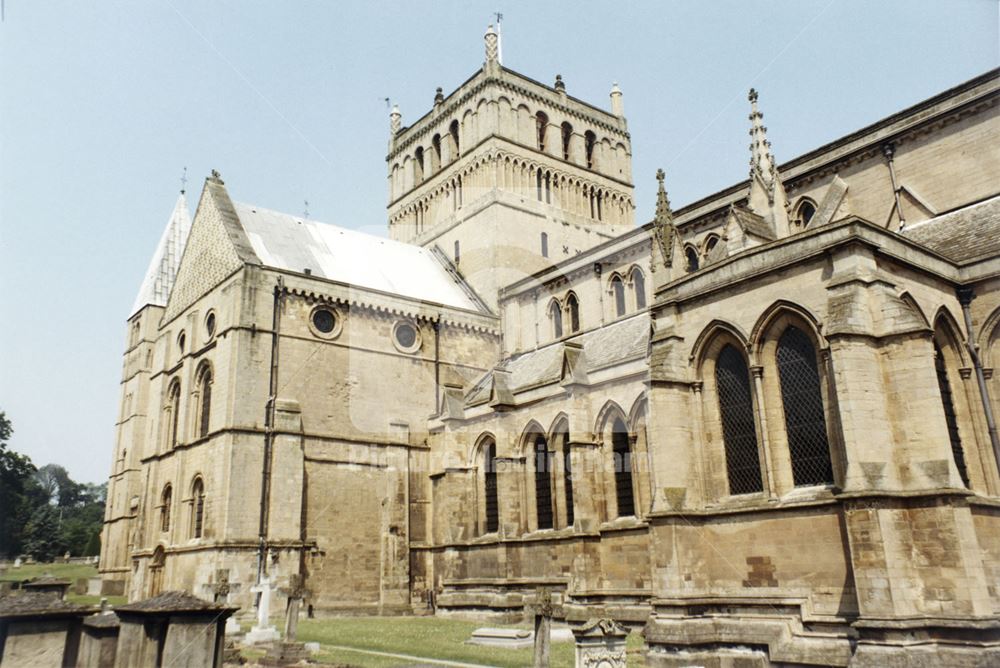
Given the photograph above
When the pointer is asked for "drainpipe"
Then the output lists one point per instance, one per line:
(888, 150)
(269, 415)
(965, 296)
(436, 326)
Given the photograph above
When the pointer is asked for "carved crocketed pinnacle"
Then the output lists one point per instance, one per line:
(753, 95)
(492, 48)
(663, 223)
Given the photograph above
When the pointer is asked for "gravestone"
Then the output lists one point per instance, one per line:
(39, 629)
(288, 651)
(221, 591)
(600, 643)
(543, 627)
(493, 637)
(262, 631)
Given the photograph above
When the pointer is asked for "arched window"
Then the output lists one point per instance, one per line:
(692, 258)
(166, 498)
(418, 173)
(541, 123)
(802, 399)
(436, 157)
(573, 308)
(197, 507)
(204, 400)
(639, 288)
(545, 244)
(562, 438)
(951, 420)
(453, 132)
(622, 451)
(555, 314)
(490, 486)
(543, 483)
(618, 289)
(710, 245)
(538, 184)
(567, 138)
(173, 413)
(732, 379)
(806, 212)
(589, 141)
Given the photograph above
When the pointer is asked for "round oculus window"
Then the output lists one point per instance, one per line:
(323, 320)
(210, 325)
(406, 335)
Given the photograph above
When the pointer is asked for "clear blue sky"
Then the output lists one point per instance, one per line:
(103, 103)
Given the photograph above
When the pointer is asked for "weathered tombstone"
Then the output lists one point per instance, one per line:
(17, 562)
(99, 640)
(39, 629)
(288, 651)
(66, 558)
(80, 588)
(295, 592)
(263, 631)
(600, 643)
(47, 584)
(220, 592)
(543, 626)
(171, 629)
(496, 637)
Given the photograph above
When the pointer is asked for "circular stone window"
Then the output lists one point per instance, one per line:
(406, 336)
(324, 322)
(210, 325)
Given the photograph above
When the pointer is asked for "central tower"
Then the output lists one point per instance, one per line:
(506, 176)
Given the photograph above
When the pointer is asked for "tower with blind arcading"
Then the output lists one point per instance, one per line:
(507, 176)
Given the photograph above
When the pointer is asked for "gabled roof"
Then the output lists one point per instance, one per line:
(336, 253)
(162, 270)
(964, 234)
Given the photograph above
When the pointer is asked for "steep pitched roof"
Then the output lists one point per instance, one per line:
(162, 270)
(966, 234)
(294, 243)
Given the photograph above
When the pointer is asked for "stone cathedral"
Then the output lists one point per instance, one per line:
(761, 427)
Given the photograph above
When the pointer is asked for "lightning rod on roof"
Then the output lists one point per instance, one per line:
(305, 213)
(184, 180)
(499, 39)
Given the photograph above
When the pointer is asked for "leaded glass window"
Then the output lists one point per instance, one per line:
(543, 484)
(490, 487)
(198, 509)
(623, 469)
(567, 479)
(739, 431)
(949, 415)
(802, 398)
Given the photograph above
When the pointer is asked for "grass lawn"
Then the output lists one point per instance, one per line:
(69, 572)
(427, 637)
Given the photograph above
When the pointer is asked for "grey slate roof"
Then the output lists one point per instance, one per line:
(966, 234)
(752, 222)
(172, 601)
(31, 603)
(162, 270)
(612, 344)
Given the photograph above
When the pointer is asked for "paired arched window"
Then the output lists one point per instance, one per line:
(490, 495)
(589, 141)
(618, 291)
(173, 412)
(622, 455)
(567, 138)
(739, 432)
(166, 499)
(543, 482)
(950, 416)
(204, 400)
(197, 507)
(555, 314)
(573, 309)
(802, 399)
(639, 288)
(541, 124)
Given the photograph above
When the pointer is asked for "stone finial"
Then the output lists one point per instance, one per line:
(492, 45)
(617, 108)
(438, 96)
(395, 119)
(663, 222)
(560, 86)
(216, 178)
(767, 195)
(761, 159)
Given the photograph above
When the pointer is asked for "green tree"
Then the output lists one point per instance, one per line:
(41, 534)
(19, 493)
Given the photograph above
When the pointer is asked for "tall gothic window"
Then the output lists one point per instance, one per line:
(589, 140)
(173, 413)
(205, 400)
(541, 123)
(197, 507)
(543, 484)
(165, 501)
(949, 414)
(639, 287)
(732, 379)
(555, 313)
(806, 212)
(490, 486)
(802, 399)
(573, 308)
(567, 138)
(567, 474)
(622, 452)
(618, 290)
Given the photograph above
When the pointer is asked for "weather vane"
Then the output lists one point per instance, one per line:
(184, 175)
